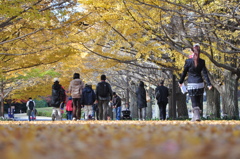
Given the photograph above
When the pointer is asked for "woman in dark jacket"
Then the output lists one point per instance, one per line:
(141, 101)
(195, 67)
(56, 98)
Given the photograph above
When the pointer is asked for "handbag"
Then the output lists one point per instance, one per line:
(183, 89)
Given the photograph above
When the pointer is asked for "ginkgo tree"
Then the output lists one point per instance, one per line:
(34, 33)
(214, 25)
(40, 32)
(161, 31)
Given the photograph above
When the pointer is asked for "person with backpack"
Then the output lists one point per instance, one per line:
(88, 99)
(104, 95)
(75, 89)
(30, 107)
(58, 97)
(162, 94)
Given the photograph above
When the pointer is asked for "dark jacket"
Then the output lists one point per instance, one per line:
(88, 96)
(163, 94)
(141, 97)
(99, 90)
(117, 101)
(194, 73)
(56, 94)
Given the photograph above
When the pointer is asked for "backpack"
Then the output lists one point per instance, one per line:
(103, 89)
(31, 105)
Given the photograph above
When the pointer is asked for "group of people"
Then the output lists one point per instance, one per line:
(161, 96)
(82, 97)
(196, 69)
(96, 104)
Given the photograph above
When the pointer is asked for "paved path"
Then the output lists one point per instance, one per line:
(24, 117)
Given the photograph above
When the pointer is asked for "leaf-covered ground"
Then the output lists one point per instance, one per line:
(119, 139)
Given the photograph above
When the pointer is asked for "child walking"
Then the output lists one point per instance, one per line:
(69, 108)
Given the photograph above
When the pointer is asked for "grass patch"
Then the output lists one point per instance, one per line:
(47, 112)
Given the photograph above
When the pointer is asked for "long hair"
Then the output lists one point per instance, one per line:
(196, 53)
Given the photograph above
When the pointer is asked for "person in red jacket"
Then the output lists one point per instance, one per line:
(69, 108)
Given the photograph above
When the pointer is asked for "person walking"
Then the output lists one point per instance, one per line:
(30, 109)
(58, 97)
(117, 105)
(141, 101)
(69, 108)
(75, 89)
(88, 99)
(162, 94)
(104, 95)
(195, 67)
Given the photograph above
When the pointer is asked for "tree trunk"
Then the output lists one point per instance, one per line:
(169, 105)
(133, 102)
(229, 96)
(127, 92)
(2, 100)
(150, 103)
(213, 104)
(182, 110)
(172, 99)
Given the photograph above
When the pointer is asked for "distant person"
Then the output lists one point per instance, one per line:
(58, 94)
(195, 67)
(30, 109)
(117, 105)
(75, 89)
(141, 101)
(104, 95)
(69, 108)
(162, 94)
(88, 99)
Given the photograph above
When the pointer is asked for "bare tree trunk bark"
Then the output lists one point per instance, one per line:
(127, 92)
(133, 102)
(213, 104)
(150, 103)
(182, 110)
(169, 105)
(229, 96)
(172, 99)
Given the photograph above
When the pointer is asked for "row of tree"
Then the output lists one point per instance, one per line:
(129, 40)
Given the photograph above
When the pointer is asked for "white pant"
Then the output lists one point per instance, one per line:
(87, 111)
